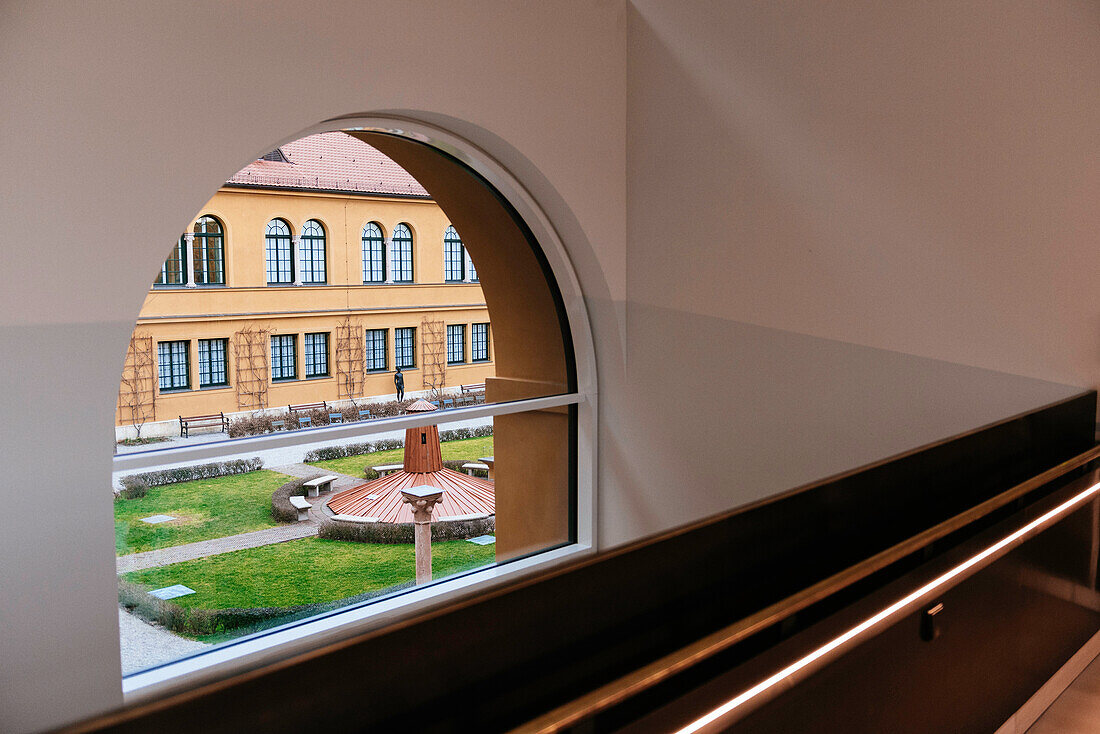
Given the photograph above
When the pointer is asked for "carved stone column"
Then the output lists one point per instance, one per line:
(422, 500)
(296, 257)
(189, 257)
(388, 275)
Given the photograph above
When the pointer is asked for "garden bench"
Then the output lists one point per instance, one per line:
(320, 484)
(384, 469)
(301, 504)
(448, 403)
(335, 418)
(278, 425)
(475, 390)
(306, 407)
(434, 402)
(472, 466)
(305, 421)
(203, 421)
(364, 414)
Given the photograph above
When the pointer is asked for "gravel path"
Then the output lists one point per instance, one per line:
(144, 645)
(191, 551)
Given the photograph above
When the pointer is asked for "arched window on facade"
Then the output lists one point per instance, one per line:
(453, 256)
(171, 273)
(374, 254)
(313, 252)
(280, 263)
(402, 254)
(208, 249)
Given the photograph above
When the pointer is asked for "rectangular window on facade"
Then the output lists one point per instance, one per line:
(212, 368)
(456, 343)
(376, 351)
(316, 354)
(404, 347)
(479, 342)
(172, 367)
(283, 363)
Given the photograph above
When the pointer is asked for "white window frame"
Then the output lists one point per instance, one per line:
(264, 648)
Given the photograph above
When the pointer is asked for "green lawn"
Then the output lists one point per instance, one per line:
(304, 572)
(469, 449)
(206, 508)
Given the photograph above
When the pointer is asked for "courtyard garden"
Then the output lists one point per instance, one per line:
(229, 594)
(201, 510)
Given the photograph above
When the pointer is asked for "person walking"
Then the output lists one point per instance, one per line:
(399, 383)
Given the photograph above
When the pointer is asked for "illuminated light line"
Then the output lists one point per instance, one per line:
(870, 622)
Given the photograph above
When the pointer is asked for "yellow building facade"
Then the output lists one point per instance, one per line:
(281, 295)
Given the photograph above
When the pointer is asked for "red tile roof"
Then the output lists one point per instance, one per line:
(462, 495)
(330, 162)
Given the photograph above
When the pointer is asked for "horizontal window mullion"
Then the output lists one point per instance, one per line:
(240, 447)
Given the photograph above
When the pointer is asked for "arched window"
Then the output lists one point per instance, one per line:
(171, 273)
(453, 256)
(209, 252)
(402, 254)
(280, 263)
(374, 254)
(313, 252)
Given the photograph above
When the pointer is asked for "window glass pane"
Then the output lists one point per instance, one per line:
(402, 254)
(277, 246)
(313, 252)
(456, 343)
(404, 352)
(172, 367)
(479, 342)
(212, 367)
(374, 258)
(171, 273)
(376, 350)
(283, 358)
(316, 354)
(453, 256)
(209, 253)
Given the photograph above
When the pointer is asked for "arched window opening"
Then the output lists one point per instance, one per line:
(481, 374)
(280, 260)
(313, 252)
(172, 272)
(454, 256)
(374, 254)
(402, 254)
(208, 252)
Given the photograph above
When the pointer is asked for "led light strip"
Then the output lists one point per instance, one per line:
(870, 622)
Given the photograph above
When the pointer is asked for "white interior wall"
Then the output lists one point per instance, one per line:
(835, 213)
(803, 227)
(117, 122)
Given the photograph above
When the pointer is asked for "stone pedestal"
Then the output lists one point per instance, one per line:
(422, 500)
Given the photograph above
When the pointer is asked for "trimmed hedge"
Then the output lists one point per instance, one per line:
(134, 482)
(281, 509)
(259, 423)
(387, 532)
(388, 444)
(194, 622)
(133, 488)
